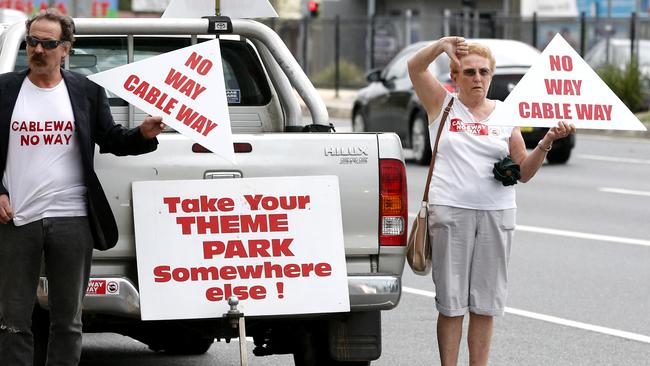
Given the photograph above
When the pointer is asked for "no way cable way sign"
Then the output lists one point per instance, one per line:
(561, 86)
(186, 87)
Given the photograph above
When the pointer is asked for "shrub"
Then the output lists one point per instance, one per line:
(349, 75)
(628, 84)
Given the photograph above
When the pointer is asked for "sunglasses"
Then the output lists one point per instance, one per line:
(48, 44)
(471, 72)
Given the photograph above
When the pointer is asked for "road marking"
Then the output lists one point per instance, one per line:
(624, 191)
(615, 138)
(576, 234)
(613, 159)
(579, 235)
(554, 320)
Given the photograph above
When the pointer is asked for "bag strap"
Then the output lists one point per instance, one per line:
(443, 120)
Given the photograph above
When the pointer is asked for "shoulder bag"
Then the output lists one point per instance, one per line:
(418, 249)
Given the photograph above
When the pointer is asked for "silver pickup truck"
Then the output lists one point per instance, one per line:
(271, 139)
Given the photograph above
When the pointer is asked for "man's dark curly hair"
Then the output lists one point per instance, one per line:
(54, 15)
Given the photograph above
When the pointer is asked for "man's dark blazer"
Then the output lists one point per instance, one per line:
(94, 125)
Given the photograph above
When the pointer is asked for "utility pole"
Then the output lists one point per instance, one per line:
(370, 42)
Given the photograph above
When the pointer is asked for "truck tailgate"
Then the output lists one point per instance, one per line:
(352, 157)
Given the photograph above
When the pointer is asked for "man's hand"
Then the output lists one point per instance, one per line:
(6, 213)
(151, 127)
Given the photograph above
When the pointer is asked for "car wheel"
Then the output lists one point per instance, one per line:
(358, 123)
(420, 140)
(559, 154)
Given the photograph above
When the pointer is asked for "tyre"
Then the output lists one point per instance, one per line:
(313, 350)
(358, 122)
(559, 154)
(420, 140)
(181, 344)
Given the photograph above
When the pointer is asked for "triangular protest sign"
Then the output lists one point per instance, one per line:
(186, 87)
(561, 86)
(236, 9)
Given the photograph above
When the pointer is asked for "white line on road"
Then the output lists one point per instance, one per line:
(624, 191)
(576, 234)
(613, 159)
(554, 320)
(579, 235)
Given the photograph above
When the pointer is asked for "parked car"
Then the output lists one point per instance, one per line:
(619, 54)
(389, 104)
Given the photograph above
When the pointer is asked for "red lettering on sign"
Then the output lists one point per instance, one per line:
(560, 63)
(242, 292)
(132, 79)
(253, 248)
(562, 87)
(96, 287)
(183, 84)
(475, 128)
(560, 111)
(273, 203)
(164, 273)
(195, 121)
(198, 63)
(598, 112)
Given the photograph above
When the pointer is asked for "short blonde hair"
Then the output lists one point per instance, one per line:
(476, 49)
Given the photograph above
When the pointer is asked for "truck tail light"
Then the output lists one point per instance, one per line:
(393, 203)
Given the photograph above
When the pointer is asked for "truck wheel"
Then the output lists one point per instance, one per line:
(559, 155)
(181, 344)
(420, 140)
(313, 351)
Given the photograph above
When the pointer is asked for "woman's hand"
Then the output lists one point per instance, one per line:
(562, 129)
(454, 47)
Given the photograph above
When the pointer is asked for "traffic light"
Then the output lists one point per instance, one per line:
(312, 8)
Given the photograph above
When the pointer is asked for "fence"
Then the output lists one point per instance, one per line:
(338, 52)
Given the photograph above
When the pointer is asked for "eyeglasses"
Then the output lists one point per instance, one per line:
(48, 44)
(484, 71)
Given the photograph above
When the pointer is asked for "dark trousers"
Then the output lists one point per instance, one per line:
(66, 244)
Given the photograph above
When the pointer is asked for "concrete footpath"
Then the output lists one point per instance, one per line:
(340, 107)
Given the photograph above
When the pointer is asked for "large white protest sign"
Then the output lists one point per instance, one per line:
(561, 86)
(275, 243)
(186, 87)
(229, 8)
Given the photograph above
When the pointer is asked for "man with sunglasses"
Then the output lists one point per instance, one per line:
(51, 201)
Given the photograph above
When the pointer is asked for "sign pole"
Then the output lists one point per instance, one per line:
(217, 9)
(236, 319)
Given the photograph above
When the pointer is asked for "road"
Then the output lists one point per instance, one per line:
(579, 275)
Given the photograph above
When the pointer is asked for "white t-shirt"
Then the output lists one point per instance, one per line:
(467, 152)
(43, 173)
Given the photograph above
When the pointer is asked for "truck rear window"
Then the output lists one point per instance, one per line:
(246, 83)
